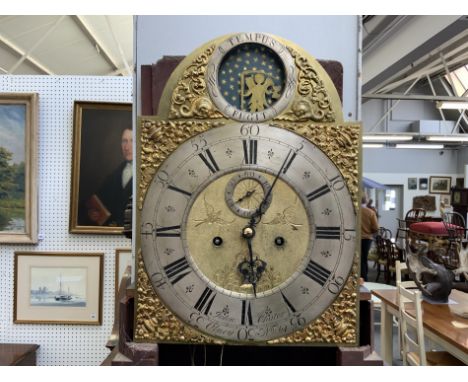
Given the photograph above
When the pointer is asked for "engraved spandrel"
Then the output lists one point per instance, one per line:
(212, 216)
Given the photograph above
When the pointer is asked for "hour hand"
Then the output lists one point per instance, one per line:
(248, 194)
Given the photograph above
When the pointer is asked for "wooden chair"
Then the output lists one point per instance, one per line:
(402, 269)
(455, 226)
(382, 234)
(412, 345)
(412, 216)
(389, 255)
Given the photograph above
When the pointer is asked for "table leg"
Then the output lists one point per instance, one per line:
(386, 334)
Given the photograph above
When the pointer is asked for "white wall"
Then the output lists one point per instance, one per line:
(324, 37)
(61, 344)
(396, 179)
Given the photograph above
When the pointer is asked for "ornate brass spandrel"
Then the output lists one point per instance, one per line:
(154, 322)
(312, 101)
(158, 140)
(338, 324)
(190, 97)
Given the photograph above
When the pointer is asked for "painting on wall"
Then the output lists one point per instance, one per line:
(446, 200)
(412, 183)
(102, 166)
(423, 183)
(124, 264)
(426, 202)
(440, 184)
(460, 183)
(18, 168)
(61, 288)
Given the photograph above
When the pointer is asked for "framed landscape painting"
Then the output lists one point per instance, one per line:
(440, 184)
(64, 288)
(102, 166)
(18, 168)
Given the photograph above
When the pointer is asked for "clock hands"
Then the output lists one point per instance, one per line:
(248, 194)
(252, 269)
(257, 215)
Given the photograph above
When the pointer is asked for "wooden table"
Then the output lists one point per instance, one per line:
(441, 323)
(18, 354)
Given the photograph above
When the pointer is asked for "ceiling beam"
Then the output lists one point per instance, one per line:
(38, 42)
(17, 50)
(119, 47)
(121, 71)
(413, 97)
(98, 45)
(385, 64)
(431, 70)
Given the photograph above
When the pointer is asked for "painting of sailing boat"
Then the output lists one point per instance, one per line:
(58, 286)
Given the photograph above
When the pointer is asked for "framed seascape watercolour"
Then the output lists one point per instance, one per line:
(102, 166)
(18, 168)
(440, 184)
(124, 263)
(63, 288)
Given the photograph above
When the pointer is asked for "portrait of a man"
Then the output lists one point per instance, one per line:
(103, 169)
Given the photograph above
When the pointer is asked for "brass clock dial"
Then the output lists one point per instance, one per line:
(266, 271)
(251, 77)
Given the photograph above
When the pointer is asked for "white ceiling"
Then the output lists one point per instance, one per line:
(62, 45)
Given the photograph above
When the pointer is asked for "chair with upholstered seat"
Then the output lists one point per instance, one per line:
(414, 215)
(412, 345)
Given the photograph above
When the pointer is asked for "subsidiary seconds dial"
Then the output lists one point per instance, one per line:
(248, 232)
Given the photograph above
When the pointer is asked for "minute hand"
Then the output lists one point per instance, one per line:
(257, 216)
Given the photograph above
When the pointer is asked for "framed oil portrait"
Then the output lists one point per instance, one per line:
(423, 183)
(440, 184)
(124, 263)
(102, 166)
(18, 168)
(57, 287)
(412, 183)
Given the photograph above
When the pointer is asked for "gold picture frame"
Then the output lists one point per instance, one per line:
(18, 168)
(102, 153)
(58, 287)
(440, 184)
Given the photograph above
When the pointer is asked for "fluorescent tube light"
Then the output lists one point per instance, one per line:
(448, 138)
(372, 145)
(387, 137)
(452, 105)
(419, 146)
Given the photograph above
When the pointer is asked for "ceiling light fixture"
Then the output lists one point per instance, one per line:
(419, 146)
(448, 138)
(457, 105)
(387, 137)
(372, 145)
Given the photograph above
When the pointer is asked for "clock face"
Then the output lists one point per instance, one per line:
(251, 77)
(248, 232)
